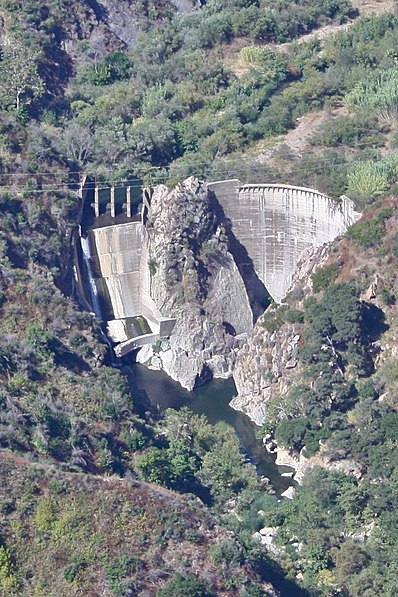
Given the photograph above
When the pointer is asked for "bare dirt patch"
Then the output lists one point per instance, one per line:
(374, 6)
(365, 7)
(296, 140)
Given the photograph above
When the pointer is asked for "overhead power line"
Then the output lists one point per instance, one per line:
(165, 167)
(157, 173)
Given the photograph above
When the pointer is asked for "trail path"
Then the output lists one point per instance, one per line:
(296, 139)
(365, 7)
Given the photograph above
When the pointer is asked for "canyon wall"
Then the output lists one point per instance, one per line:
(166, 283)
(197, 282)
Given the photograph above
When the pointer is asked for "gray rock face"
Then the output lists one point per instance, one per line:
(265, 366)
(268, 363)
(196, 281)
(113, 24)
(186, 6)
(289, 493)
(122, 20)
(301, 464)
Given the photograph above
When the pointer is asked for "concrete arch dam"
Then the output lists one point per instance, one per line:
(269, 226)
(273, 224)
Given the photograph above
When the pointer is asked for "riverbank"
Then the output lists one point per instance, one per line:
(212, 399)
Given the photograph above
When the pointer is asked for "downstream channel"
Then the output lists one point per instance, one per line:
(212, 399)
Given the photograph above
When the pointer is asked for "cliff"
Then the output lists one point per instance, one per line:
(320, 368)
(196, 281)
(268, 363)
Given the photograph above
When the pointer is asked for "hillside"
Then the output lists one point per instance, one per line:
(128, 538)
(91, 478)
(332, 408)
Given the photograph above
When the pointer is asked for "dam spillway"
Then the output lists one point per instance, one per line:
(115, 249)
(275, 223)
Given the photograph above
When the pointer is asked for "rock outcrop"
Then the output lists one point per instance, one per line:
(264, 368)
(195, 280)
(268, 363)
(301, 464)
(268, 366)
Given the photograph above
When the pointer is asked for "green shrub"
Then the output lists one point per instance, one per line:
(71, 571)
(8, 580)
(367, 234)
(312, 439)
(293, 315)
(389, 425)
(135, 439)
(379, 92)
(366, 390)
(185, 585)
(394, 248)
(117, 572)
(153, 266)
(347, 130)
(227, 552)
(273, 319)
(324, 276)
(367, 180)
(291, 432)
(386, 297)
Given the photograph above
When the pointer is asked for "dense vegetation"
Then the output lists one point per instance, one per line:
(342, 407)
(80, 534)
(198, 93)
(194, 90)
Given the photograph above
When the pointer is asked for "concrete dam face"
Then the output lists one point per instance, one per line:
(274, 224)
(268, 228)
(116, 260)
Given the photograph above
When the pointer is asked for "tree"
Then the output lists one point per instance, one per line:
(223, 467)
(19, 74)
(291, 432)
(183, 465)
(155, 467)
(77, 143)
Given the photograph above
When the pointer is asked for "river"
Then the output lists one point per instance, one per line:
(212, 399)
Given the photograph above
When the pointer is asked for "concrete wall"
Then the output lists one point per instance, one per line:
(120, 267)
(276, 223)
(116, 252)
(138, 342)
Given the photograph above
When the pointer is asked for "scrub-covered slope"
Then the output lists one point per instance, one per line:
(65, 534)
